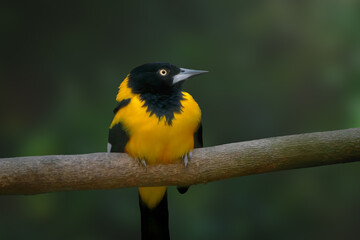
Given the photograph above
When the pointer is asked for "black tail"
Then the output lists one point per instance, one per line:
(155, 221)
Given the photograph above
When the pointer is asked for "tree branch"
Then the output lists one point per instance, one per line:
(40, 174)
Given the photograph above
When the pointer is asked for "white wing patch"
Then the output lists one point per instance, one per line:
(109, 147)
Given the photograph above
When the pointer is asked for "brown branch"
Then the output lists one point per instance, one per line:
(40, 174)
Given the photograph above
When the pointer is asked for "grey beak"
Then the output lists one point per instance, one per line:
(185, 74)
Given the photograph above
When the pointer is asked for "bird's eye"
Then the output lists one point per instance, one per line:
(163, 72)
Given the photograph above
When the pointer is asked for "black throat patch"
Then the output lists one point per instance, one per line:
(163, 105)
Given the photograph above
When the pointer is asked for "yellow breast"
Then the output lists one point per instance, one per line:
(151, 138)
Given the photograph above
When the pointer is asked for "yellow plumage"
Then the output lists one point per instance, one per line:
(153, 139)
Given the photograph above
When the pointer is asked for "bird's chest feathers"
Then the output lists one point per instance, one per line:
(158, 132)
(163, 105)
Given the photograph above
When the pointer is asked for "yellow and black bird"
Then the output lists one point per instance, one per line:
(156, 122)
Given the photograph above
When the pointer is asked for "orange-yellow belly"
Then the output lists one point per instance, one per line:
(160, 144)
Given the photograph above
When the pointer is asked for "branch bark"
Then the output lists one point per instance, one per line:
(40, 174)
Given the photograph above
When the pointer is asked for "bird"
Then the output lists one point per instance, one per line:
(156, 122)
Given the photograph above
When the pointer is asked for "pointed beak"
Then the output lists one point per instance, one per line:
(185, 74)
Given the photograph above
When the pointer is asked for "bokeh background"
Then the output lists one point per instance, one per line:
(276, 68)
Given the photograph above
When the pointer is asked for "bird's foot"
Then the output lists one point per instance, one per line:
(187, 158)
(142, 162)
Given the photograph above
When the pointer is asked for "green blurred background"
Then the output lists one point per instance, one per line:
(276, 68)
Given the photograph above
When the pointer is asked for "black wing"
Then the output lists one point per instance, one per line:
(118, 137)
(198, 139)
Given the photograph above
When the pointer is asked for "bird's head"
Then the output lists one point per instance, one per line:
(159, 78)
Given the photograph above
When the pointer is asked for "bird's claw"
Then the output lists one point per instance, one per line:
(142, 161)
(187, 158)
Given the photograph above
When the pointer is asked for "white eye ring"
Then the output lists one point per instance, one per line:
(163, 72)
